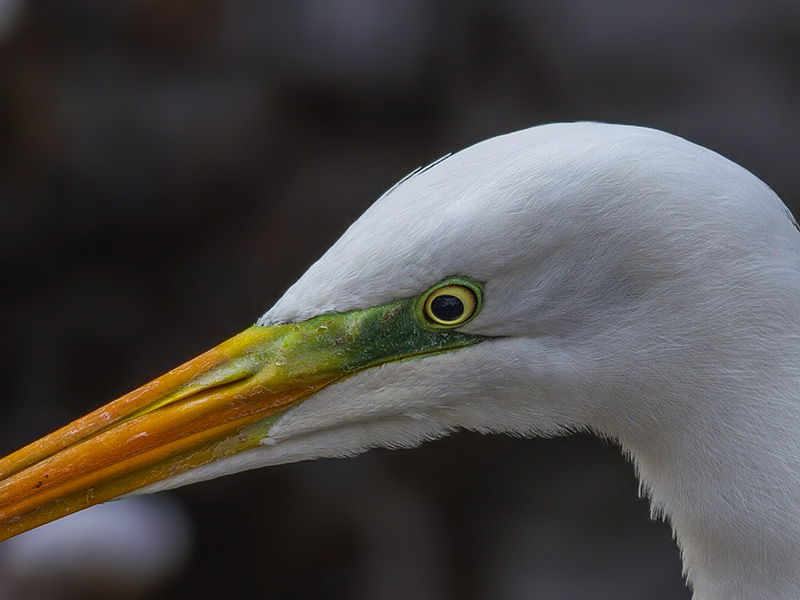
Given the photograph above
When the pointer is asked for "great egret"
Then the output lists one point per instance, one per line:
(570, 276)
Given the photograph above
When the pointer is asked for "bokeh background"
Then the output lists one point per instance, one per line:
(168, 168)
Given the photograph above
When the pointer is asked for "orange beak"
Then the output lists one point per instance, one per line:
(216, 405)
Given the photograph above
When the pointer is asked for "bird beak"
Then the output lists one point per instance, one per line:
(211, 407)
(221, 403)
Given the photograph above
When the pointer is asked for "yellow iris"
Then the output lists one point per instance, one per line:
(451, 305)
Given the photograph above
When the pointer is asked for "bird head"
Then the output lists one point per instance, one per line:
(541, 281)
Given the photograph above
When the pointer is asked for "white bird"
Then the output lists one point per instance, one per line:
(566, 277)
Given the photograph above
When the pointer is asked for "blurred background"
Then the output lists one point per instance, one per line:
(168, 168)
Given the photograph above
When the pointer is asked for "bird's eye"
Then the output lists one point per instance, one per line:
(451, 305)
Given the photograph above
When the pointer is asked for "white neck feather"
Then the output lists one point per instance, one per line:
(730, 488)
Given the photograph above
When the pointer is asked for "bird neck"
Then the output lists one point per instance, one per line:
(728, 480)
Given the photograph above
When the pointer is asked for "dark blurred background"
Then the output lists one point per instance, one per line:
(168, 168)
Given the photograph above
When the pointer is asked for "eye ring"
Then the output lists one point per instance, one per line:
(450, 305)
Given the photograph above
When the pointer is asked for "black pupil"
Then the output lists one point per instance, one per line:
(447, 308)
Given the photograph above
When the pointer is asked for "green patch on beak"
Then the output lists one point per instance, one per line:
(350, 342)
